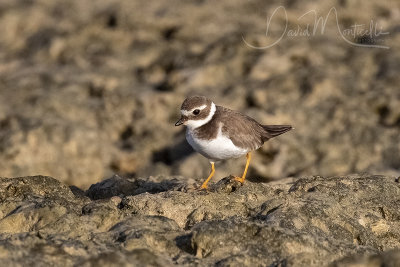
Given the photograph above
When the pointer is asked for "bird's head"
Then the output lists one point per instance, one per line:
(196, 111)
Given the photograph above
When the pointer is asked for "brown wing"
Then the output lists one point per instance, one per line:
(244, 131)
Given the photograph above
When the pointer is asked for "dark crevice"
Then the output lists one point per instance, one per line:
(126, 133)
(342, 3)
(169, 33)
(305, 87)
(164, 86)
(279, 263)
(121, 237)
(273, 209)
(95, 91)
(126, 142)
(384, 113)
(250, 101)
(185, 244)
(112, 21)
(365, 39)
(312, 189)
(382, 211)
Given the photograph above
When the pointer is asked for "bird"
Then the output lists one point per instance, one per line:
(219, 133)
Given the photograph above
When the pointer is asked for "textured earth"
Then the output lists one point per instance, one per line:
(93, 88)
(163, 221)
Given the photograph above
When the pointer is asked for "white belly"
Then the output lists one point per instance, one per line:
(220, 148)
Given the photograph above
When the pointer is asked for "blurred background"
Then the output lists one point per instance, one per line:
(93, 88)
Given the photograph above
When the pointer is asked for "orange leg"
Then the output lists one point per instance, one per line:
(204, 185)
(248, 156)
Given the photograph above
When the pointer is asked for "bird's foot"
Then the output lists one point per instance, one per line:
(239, 179)
(203, 187)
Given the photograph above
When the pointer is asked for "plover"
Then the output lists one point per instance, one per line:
(219, 133)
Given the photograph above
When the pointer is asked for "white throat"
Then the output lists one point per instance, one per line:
(193, 124)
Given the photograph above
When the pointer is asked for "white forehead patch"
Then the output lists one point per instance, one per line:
(187, 112)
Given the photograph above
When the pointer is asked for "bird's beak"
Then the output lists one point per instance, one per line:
(181, 121)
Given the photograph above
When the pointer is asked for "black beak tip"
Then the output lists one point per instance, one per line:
(178, 123)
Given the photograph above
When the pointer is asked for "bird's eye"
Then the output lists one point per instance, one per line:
(196, 111)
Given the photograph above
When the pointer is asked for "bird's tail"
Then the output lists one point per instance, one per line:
(275, 130)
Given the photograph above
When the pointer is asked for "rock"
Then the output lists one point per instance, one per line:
(33, 186)
(137, 257)
(30, 203)
(163, 221)
(118, 186)
(252, 243)
(389, 258)
(114, 186)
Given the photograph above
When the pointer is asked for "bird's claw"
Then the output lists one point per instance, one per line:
(202, 188)
(239, 179)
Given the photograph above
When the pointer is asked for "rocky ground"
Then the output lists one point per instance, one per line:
(349, 220)
(92, 88)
